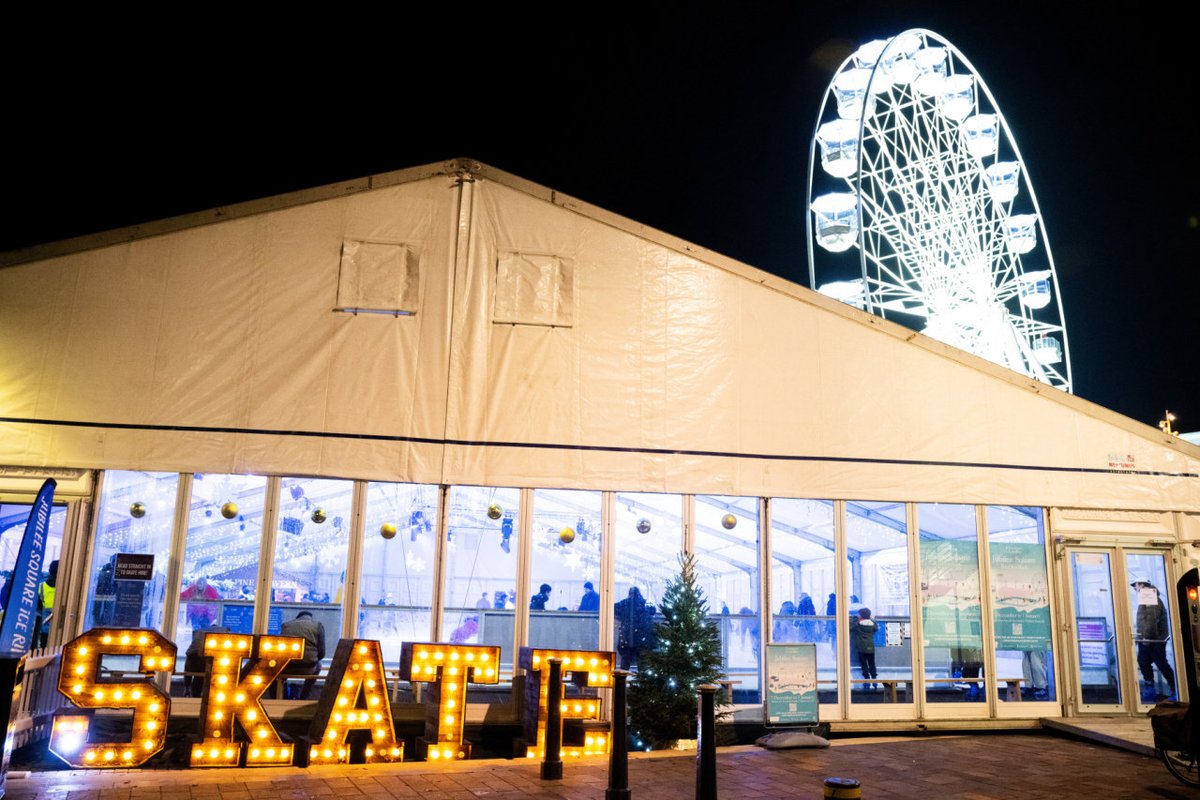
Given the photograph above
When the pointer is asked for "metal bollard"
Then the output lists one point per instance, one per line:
(552, 767)
(842, 789)
(706, 751)
(618, 755)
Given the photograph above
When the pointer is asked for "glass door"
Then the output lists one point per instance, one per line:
(1094, 625)
(1122, 627)
(1150, 633)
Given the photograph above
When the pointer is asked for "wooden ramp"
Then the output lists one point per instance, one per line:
(1127, 733)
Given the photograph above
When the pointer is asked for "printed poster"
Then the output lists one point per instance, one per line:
(1022, 596)
(791, 696)
(950, 588)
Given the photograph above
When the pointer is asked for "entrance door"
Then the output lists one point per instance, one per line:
(1120, 621)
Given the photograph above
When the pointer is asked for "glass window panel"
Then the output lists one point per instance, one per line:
(952, 623)
(481, 556)
(803, 581)
(1020, 603)
(311, 545)
(649, 540)
(136, 516)
(220, 563)
(727, 561)
(13, 519)
(399, 549)
(880, 615)
(566, 558)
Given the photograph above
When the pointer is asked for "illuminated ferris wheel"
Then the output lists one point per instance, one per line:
(921, 209)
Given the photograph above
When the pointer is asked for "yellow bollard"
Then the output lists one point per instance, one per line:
(842, 789)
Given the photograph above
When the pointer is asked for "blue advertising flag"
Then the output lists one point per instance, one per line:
(20, 613)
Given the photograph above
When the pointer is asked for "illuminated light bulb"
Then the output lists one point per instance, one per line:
(251, 714)
(374, 701)
(449, 704)
(135, 694)
(378, 717)
(591, 709)
(489, 672)
(536, 660)
(148, 744)
(266, 645)
(256, 680)
(77, 688)
(454, 656)
(80, 669)
(229, 753)
(296, 647)
(198, 753)
(99, 695)
(579, 661)
(220, 697)
(83, 651)
(211, 641)
(90, 755)
(228, 644)
(368, 666)
(453, 670)
(328, 754)
(243, 644)
(125, 639)
(434, 754)
(594, 662)
(589, 740)
(225, 661)
(341, 753)
(271, 752)
(262, 733)
(343, 701)
(439, 655)
(222, 679)
(423, 654)
(362, 649)
(368, 752)
(214, 752)
(254, 753)
(379, 733)
(149, 661)
(370, 683)
(453, 687)
(429, 670)
(106, 639)
(470, 656)
(578, 708)
(331, 735)
(449, 719)
(218, 715)
(142, 640)
(563, 707)
(165, 663)
(348, 683)
(395, 751)
(151, 725)
(337, 717)
(239, 698)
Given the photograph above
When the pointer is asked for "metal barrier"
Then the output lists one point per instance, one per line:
(33, 714)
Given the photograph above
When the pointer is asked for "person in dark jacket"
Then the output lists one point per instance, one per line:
(539, 600)
(635, 627)
(862, 633)
(1152, 631)
(591, 598)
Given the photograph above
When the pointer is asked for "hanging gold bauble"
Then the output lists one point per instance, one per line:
(229, 510)
(388, 530)
(318, 515)
(137, 510)
(566, 535)
(728, 522)
(495, 511)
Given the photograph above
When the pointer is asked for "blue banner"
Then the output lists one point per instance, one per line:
(20, 615)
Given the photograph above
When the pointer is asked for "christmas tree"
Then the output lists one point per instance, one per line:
(687, 653)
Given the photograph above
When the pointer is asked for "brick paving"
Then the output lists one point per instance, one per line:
(1029, 766)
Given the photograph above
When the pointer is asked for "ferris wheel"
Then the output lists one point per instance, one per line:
(921, 209)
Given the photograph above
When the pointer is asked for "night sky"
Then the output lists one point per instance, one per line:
(693, 119)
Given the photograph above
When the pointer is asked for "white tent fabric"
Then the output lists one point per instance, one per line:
(636, 362)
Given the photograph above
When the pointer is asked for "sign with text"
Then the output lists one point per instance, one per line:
(133, 567)
(791, 696)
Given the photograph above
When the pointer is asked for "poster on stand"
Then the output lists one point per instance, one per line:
(1021, 595)
(791, 696)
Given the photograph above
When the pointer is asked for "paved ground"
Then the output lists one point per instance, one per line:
(1028, 766)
